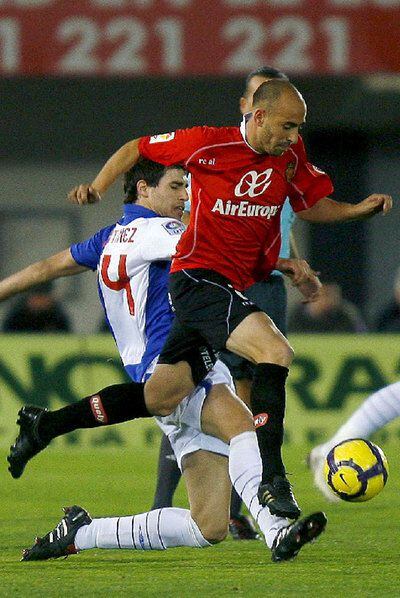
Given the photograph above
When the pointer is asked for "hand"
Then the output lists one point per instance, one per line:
(302, 276)
(83, 194)
(311, 289)
(373, 204)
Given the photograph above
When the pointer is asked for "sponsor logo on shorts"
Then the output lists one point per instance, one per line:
(162, 138)
(243, 209)
(260, 420)
(174, 228)
(98, 410)
(207, 359)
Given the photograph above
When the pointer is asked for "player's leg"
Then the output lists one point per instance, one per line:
(207, 481)
(374, 413)
(118, 403)
(38, 426)
(155, 530)
(209, 489)
(168, 475)
(183, 363)
(256, 338)
(207, 303)
(245, 467)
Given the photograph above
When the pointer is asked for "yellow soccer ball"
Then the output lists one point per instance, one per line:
(356, 470)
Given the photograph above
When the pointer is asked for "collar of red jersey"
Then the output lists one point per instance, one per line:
(245, 119)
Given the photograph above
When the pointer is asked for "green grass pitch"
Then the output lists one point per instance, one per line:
(358, 555)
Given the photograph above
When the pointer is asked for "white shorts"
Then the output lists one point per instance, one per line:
(183, 426)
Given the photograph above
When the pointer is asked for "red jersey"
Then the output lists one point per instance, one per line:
(237, 197)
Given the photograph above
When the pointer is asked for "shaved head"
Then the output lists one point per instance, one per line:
(278, 111)
(269, 92)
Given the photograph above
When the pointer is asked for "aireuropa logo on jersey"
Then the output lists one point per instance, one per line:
(252, 183)
(243, 208)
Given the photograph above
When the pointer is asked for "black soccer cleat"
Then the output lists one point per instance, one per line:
(289, 540)
(278, 497)
(241, 528)
(60, 541)
(28, 443)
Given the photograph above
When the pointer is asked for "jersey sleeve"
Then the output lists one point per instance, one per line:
(87, 253)
(309, 184)
(176, 147)
(160, 239)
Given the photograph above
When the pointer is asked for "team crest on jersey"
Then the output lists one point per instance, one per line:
(290, 171)
(162, 138)
(173, 227)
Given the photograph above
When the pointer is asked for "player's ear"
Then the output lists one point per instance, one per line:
(259, 116)
(244, 105)
(142, 188)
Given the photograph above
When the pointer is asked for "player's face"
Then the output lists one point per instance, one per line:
(278, 127)
(168, 198)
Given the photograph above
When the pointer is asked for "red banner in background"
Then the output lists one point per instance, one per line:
(189, 37)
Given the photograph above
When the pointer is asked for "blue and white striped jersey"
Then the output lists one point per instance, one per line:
(132, 258)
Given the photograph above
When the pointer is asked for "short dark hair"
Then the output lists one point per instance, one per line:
(264, 71)
(144, 170)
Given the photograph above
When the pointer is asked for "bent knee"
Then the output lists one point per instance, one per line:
(212, 527)
(281, 353)
(166, 388)
(159, 403)
(214, 534)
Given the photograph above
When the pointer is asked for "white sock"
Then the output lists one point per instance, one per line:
(245, 469)
(155, 530)
(375, 412)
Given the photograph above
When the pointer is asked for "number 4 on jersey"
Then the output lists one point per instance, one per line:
(123, 282)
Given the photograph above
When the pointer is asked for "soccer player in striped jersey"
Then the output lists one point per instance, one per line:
(132, 261)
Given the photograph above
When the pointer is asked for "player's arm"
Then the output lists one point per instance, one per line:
(328, 210)
(56, 266)
(294, 250)
(119, 163)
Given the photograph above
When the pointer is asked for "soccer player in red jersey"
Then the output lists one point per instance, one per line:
(240, 179)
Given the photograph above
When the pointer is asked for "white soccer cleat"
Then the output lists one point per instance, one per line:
(315, 462)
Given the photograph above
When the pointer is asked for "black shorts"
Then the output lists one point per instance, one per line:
(207, 310)
(270, 296)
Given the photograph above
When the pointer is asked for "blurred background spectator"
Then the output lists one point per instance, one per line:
(37, 311)
(330, 313)
(388, 319)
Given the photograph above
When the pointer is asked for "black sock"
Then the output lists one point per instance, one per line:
(168, 476)
(268, 399)
(112, 405)
(236, 504)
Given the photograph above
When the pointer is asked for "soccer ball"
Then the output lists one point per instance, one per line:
(356, 470)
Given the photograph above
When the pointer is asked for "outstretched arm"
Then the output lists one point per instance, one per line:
(327, 210)
(56, 266)
(120, 162)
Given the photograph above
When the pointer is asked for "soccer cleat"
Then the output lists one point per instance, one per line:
(315, 462)
(60, 541)
(28, 443)
(278, 497)
(289, 540)
(241, 528)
